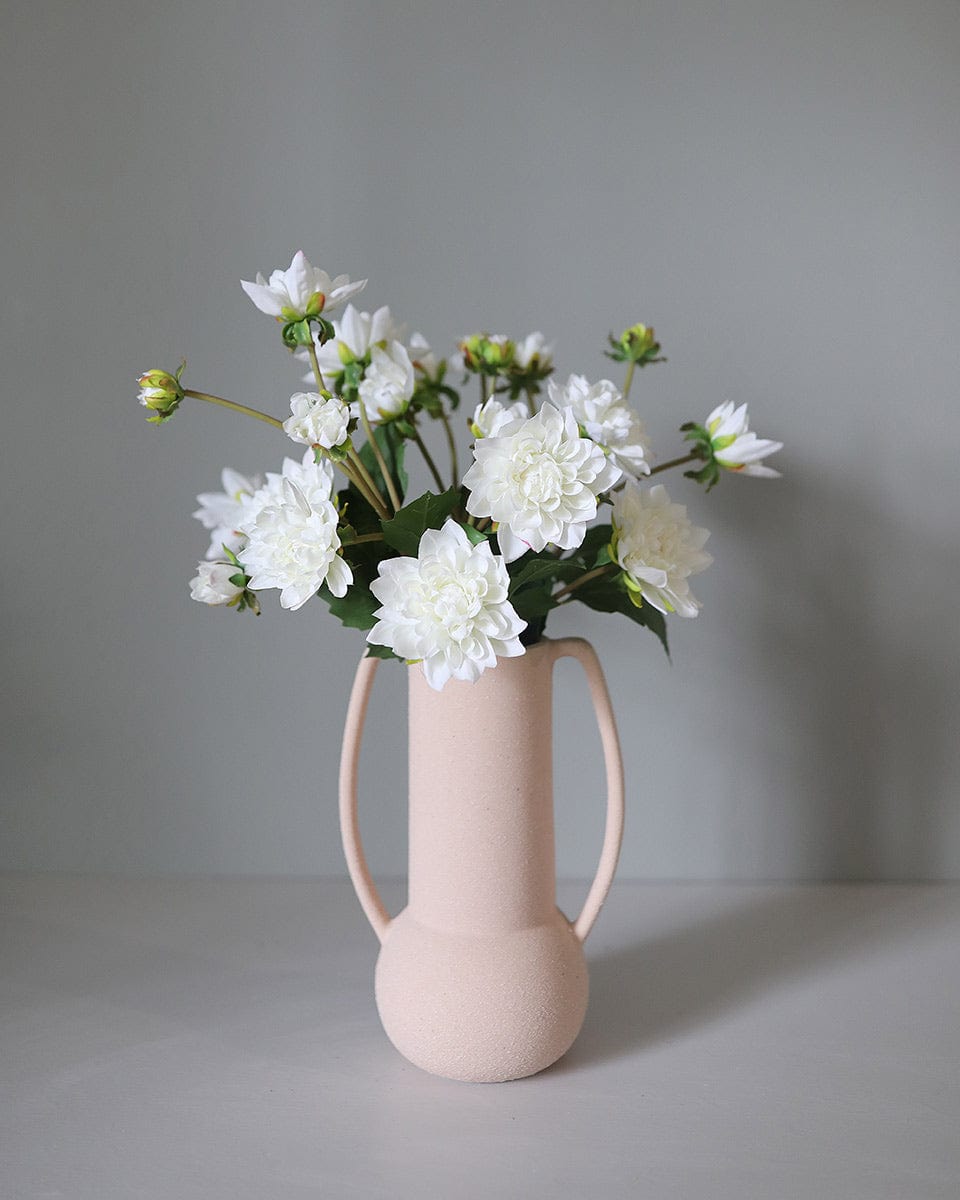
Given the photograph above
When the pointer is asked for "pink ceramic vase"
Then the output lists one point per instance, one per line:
(481, 977)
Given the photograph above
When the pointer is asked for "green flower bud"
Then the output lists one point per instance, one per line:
(638, 344)
(487, 354)
(161, 392)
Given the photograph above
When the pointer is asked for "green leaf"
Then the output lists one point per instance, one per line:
(355, 609)
(544, 568)
(403, 532)
(474, 535)
(594, 547)
(393, 449)
(381, 652)
(610, 594)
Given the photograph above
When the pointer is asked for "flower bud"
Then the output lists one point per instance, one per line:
(219, 583)
(487, 354)
(638, 344)
(161, 393)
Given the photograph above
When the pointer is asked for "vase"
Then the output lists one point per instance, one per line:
(481, 977)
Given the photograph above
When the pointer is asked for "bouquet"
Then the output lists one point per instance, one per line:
(557, 505)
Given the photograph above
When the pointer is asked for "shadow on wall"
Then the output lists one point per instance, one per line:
(858, 639)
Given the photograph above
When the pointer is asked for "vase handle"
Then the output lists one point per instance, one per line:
(613, 835)
(363, 884)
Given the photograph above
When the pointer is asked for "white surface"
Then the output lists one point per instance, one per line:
(172, 1040)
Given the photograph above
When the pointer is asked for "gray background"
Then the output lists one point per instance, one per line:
(773, 185)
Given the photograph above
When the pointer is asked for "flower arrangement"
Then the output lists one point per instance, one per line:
(458, 577)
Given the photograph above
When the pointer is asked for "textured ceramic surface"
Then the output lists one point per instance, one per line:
(481, 977)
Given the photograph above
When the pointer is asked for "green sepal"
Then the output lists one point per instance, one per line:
(404, 531)
(475, 536)
(239, 580)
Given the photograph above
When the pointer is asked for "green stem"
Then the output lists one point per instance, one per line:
(606, 569)
(315, 363)
(366, 486)
(428, 459)
(378, 455)
(631, 367)
(452, 443)
(674, 462)
(364, 537)
(531, 405)
(240, 408)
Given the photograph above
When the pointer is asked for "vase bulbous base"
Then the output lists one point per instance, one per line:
(481, 1008)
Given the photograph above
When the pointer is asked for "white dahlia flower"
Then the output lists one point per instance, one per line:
(658, 548)
(447, 607)
(604, 415)
(491, 416)
(314, 479)
(388, 382)
(355, 335)
(317, 420)
(539, 480)
(533, 351)
(301, 290)
(222, 512)
(211, 585)
(734, 446)
(293, 546)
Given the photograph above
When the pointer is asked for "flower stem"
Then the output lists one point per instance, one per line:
(428, 459)
(378, 455)
(364, 537)
(628, 380)
(366, 486)
(531, 404)
(674, 462)
(240, 408)
(315, 363)
(452, 443)
(606, 569)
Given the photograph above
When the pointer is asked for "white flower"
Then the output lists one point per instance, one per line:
(314, 479)
(300, 290)
(447, 607)
(421, 355)
(658, 548)
(293, 546)
(533, 351)
(388, 383)
(604, 416)
(317, 421)
(222, 512)
(539, 480)
(212, 583)
(355, 335)
(734, 446)
(491, 416)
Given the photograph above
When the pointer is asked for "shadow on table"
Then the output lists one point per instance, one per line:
(689, 976)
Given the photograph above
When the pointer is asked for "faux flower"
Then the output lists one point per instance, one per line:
(355, 335)
(314, 479)
(212, 584)
(487, 353)
(447, 607)
(300, 291)
(638, 344)
(293, 546)
(658, 548)
(388, 382)
(532, 353)
(734, 446)
(490, 417)
(604, 416)
(539, 480)
(161, 392)
(222, 512)
(422, 357)
(317, 420)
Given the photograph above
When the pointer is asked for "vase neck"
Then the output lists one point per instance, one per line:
(481, 798)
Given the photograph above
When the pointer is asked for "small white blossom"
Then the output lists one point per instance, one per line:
(317, 420)
(388, 382)
(212, 583)
(533, 350)
(604, 416)
(222, 512)
(355, 335)
(448, 607)
(301, 290)
(734, 446)
(539, 480)
(658, 548)
(293, 546)
(422, 357)
(491, 416)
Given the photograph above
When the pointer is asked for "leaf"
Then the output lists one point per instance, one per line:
(593, 549)
(540, 569)
(475, 536)
(610, 594)
(355, 609)
(403, 532)
(381, 652)
(393, 449)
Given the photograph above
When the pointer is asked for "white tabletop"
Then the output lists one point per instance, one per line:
(218, 1039)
